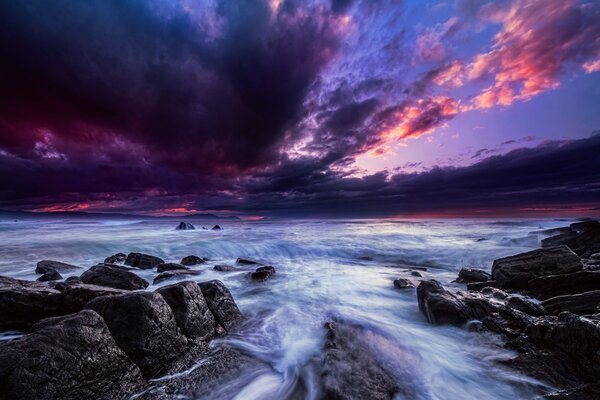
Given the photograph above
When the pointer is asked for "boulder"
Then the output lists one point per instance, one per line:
(50, 276)
(174, 274)
(116, 258)
(216, 228)
(588, 242)
(583, 303)
(113, 276)
(246, 261)
(557, 285)
(169, 267)
(226, 268)
(563, 239)
(23, 303)
(192, 260)
(189, 307)
(77, 295)
(469, 275)
(67, 358)
(221, 303)
(262, 273)
(527, 306)
(584, 225)
(515, 272)
(144, 326)
(185, 226)
(45, 266)
(142, 261)
(478, 286)
(402, 283)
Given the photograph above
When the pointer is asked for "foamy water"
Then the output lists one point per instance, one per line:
(325, 269)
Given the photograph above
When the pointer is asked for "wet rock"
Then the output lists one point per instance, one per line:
(507, 321)
(192, 260)
(588, 242)
(583, 303)
(246, 261)
(50, 276)
(185, 226)
(144, 326)
(116, 258)
(494, 293)
(584, 225)
(142, 261)
(416, 273)
(470, 275)
(226, 268)
(216, 228)
(68, 358)
(77, 295)
(402, 283)
(221, 303)
(113, 276)
(45, 266)
(515, 272)
(174, 274)
(189, 307)
(169, 267)
(527, 306)
(479, 286)
(365, 258)
(558, 285)
(262, 273)
(23, 303)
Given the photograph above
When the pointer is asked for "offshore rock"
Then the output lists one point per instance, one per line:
(46, 266)
(185, 226)
(192, 260)
(169, 267)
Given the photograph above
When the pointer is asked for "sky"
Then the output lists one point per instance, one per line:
(288, 108)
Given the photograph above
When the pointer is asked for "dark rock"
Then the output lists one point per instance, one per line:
(189, 307)
(403, 284)
(478, 286)
(262, 273)
(113, 276)
(583, 303)
(365, 258)
(173, 274)
(169, 267)
(144, 326)
(563, 239)
(221, 303)
(245, 261)
(185, 226)
(494, 293)
(416, 273)
(216, 228)
(584, 225)
(558, 285)
(142, 261)
(68, 358)
(23, 303)
(116, 258)
(515, 272)
(507, 321)
(469, 275)
(584, 392)
(50, 276)
(192, 260)
(45, 266)
(77, 295)
(226, 268)
(526, 306)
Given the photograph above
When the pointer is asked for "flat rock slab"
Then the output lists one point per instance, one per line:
(246, 261)
(221, 303)
(143, 261)
(559, 285)
(67, 358)
(170, 267)
(45, 266)
(583, 303)
(113, 276)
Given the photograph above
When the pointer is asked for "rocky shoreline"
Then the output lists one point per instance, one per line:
(103, 335)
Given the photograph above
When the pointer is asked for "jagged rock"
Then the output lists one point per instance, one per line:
(507, 321)
(221, 303)
(469, 275)
(262, 273)
(77, 295)
(216, 228)
(50, 276)
(190, 309)
(23, 303)
(494, 293)
(142, 261)
(226, 268)
(192, 260)
(116, 258)
(177, 273)
(144, 326)
(479, 286)
(526, 306)
(113, 276)
(402, 283)
(583, 303)
(68, 358)
(45, 266)
(169, 267)
(246, 261)
(558, 285)
(185, 226)
(515, 272)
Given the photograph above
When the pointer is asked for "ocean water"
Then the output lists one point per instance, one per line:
(325, 269)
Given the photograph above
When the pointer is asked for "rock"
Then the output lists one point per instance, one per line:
(494, 293)
(583, 303)
(50, 276)
(142, 261)
(144, 326)
(185, 226)
(469, 275)
(113, 276)
(226, 268)
(23, 303)
(584, 225)
(77, 295)
(416, 273)
(515, 272)
(526, 306)
(564, 239)
(221, 303)
(507, 321)
(558, 285)
(192, 260)
(478, 286)
(189, 307)
(45, 266)
(169, 267)
(246, 261)
(262, 273)
(177, 273)
(588, 241)
(68, 358)
(402, 283)
(583, 238)
(116, 258)
(216, 228)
